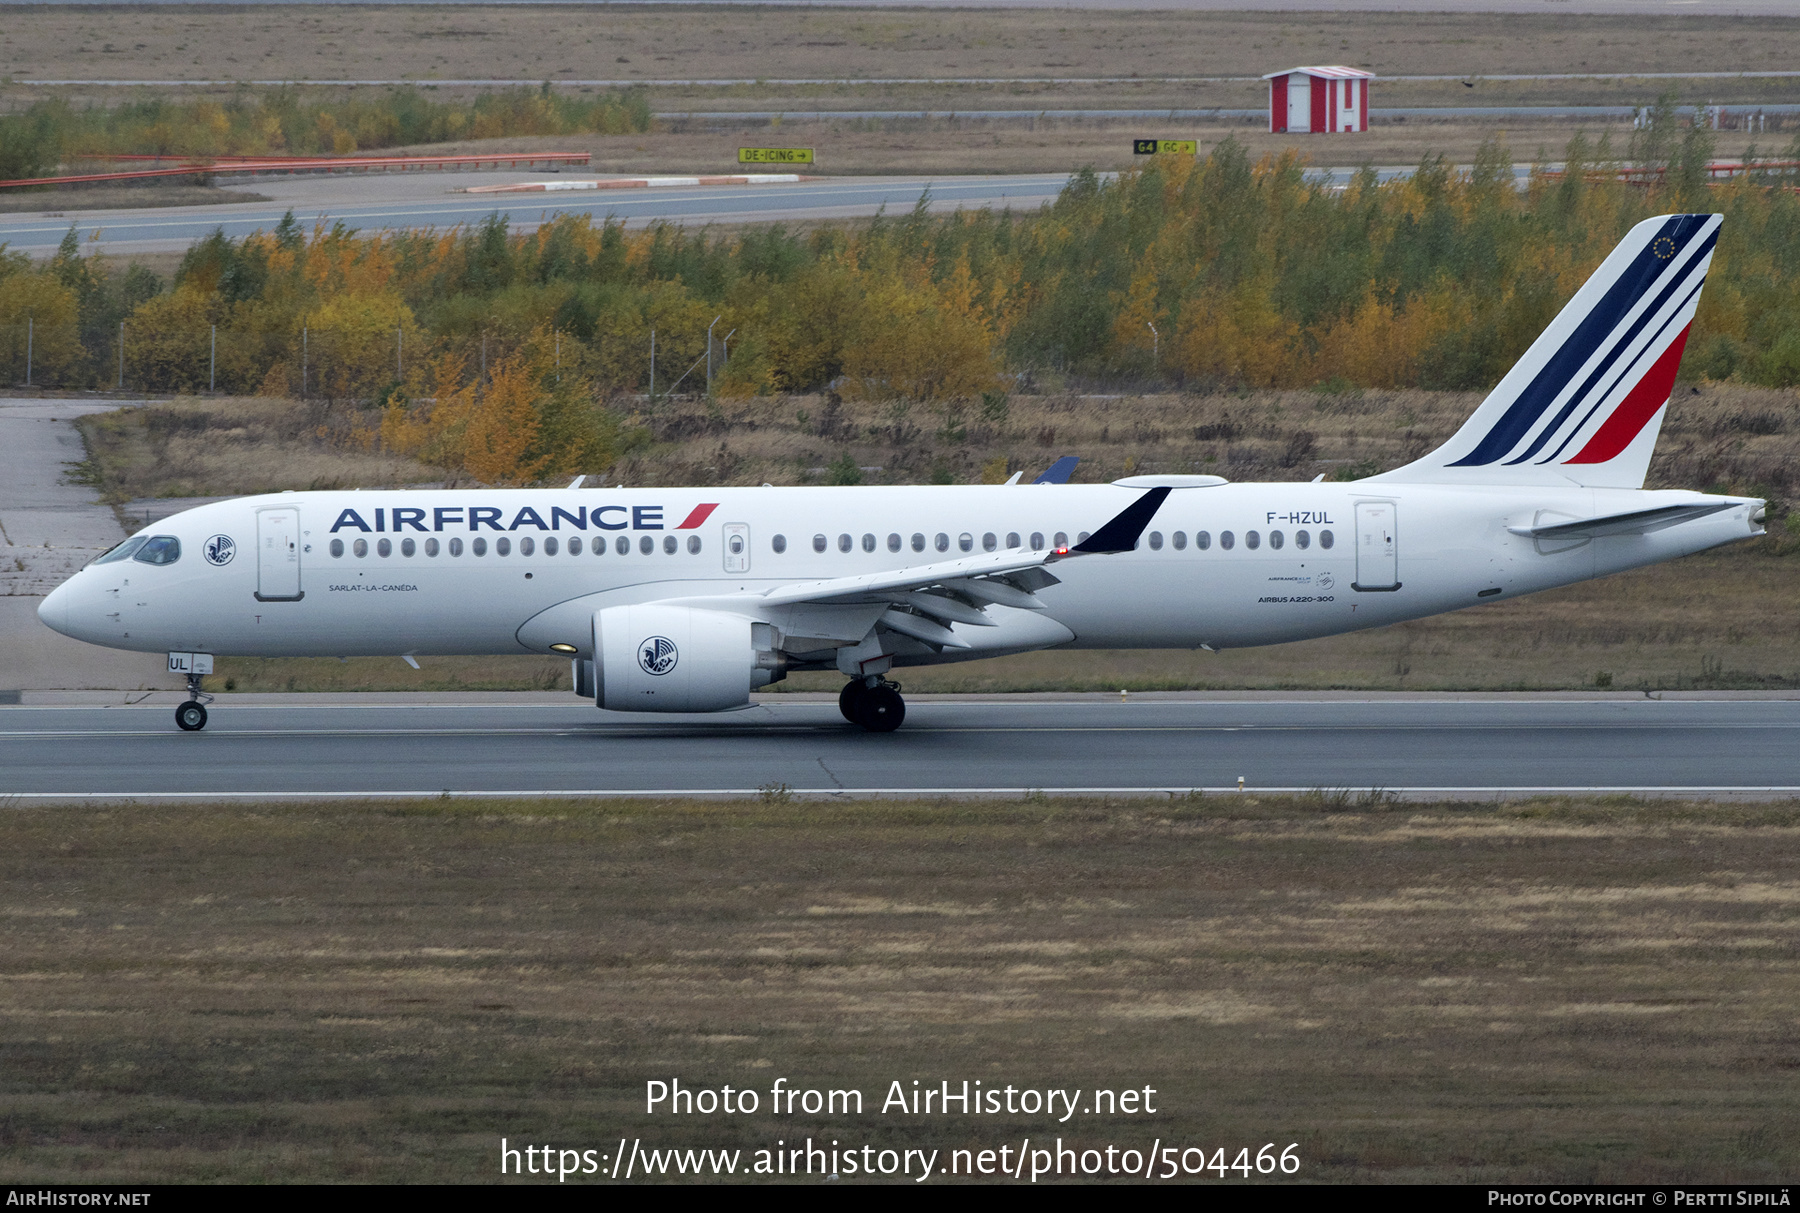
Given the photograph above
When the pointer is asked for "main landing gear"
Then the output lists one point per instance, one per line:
(874, 703)
(190, 717)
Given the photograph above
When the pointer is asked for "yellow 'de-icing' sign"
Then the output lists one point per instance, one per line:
(1165, 147)
(775, 155)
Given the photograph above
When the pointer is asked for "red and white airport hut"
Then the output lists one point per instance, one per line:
(1319, 100)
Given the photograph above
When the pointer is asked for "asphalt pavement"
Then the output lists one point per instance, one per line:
(1468, 745)
(423, 200)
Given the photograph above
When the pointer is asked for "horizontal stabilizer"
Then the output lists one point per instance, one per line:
(1640, 522)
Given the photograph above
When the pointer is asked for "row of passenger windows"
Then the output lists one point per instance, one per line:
(990, 542)
(1252, 540)
(528, 546)
(647, 544)
(966, 542)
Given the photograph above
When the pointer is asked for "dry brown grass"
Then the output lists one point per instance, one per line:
(644, 43)
(57, 201)
(226, 447)
(1714, 433)
(945, 146)
(690, 42)
(1548, 992)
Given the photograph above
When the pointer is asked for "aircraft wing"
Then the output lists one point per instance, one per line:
(924, 600)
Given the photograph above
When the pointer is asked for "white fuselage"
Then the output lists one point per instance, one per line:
(430, 576)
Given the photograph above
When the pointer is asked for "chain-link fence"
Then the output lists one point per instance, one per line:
(334, 363)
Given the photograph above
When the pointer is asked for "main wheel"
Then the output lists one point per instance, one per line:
(850, 698)
(191, 717)
(881, 710)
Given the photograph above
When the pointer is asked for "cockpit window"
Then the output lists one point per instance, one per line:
(124, 550)
(161, 549)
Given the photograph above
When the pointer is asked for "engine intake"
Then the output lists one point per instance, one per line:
(655, 658)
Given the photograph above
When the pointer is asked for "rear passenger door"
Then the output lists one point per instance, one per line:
(1377, 547)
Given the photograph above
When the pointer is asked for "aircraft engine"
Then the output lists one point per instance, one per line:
(656, 658)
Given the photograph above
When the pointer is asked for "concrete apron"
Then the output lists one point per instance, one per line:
(49, 529)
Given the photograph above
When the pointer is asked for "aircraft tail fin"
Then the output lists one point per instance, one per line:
(1585, 403)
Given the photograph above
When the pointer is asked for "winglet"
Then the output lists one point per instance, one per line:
(1121, 533)
(1060, 471)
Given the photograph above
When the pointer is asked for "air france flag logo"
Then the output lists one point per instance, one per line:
(219, 550)
(657, 655)
(1605, 368)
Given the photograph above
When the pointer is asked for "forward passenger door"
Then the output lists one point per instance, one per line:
(278, 555)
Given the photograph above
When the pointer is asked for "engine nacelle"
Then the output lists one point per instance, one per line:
(656, 658)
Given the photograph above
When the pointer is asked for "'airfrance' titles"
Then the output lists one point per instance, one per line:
(474, 517)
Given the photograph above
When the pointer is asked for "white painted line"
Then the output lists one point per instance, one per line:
(626, 183)
(1094, 699)
(1224, 793)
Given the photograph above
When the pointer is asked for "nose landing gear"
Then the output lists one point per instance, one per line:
(875, 704)
(190, 717)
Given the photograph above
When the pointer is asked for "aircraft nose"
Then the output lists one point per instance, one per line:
(54, 610)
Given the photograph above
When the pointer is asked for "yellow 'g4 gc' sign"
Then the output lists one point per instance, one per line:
(775, 155)
(1166, 147)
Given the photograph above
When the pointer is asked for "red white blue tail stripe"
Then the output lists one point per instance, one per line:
(1585, 403)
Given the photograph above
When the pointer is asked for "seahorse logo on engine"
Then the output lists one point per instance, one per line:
(658, 655)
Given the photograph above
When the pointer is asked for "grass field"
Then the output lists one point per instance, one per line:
(60, 201)
(633, 43)
(878, 52)
(957, 146)
(1542, 992)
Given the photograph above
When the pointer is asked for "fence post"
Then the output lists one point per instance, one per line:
(121, 354)
(652, 366)
(709, 329)
(212, 365)
(30, 332)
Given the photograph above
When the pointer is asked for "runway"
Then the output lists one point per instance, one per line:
(425, 745)
(417, 200)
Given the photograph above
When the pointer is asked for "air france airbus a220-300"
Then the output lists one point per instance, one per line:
(688, 600)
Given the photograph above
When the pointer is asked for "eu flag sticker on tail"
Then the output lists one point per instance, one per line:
(1611, 353)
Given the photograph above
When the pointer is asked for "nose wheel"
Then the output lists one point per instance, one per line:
(190, 717)
(878, 708)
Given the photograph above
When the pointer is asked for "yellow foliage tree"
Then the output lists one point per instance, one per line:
(913, 342)
(502, 427)
(356, 344)
(39, 311)
(167, 341)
